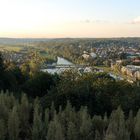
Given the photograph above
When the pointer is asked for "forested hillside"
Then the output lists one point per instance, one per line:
(23, 119)
(69, 69)
(91, 106)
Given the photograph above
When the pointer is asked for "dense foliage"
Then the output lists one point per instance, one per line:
(68, 106)
(98, 91)
(21, 119)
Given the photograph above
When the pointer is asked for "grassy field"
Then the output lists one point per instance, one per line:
(10, 48)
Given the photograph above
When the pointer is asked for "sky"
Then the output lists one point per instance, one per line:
(69, 18)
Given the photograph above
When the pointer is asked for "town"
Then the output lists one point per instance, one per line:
(116, 56)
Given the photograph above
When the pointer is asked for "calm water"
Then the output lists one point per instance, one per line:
(60, 61)
(63, 61)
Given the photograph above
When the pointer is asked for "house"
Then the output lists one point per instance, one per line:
(137, 75)
(88, 69)
(132, 71)
(86, 56)
(93, 55)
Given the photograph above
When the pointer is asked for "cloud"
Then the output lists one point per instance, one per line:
(94, 21)
(87, 21)
(136, 20)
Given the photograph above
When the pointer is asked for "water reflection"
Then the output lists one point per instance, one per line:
(60, 61)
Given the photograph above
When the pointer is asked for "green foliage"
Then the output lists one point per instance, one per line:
(72, 133)
(38, 85)
(137, 125)
(22, 120)
(55, 131)
(70, 106)
(3, 130)
(37, 127)
(24, 117)
(98, 91)
(13, 124)
(116, 127)
(86, 125)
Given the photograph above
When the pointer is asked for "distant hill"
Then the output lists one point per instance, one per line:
(7, 41)
(21, 40)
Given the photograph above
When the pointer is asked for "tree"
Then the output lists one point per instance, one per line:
(39, 84)
(116, 129)
(86, 125)
(21, 78)
(97, 135)
(24, 115)
(98, 125)
(3, 129)
(52, 111)
(137, 126)
(45, 124)
(130, 123)
(13, 124)
(55, 131)
(72, 132)
(37, 127)
(2, 73)
(25, 69)
(2, 66)
(34, 67)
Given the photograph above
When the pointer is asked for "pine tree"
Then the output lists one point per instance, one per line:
(69, 112)
(59, 135)
(98, 124)
(13, 124)
(3, 130)
(52, 110)
(137, 126)
(105, 121)
(97, 135)
(130, 124)
(110, 136)
(37, 127)
(51, 131)
(116, 129)
(72, 132)
(45, 124)
(3, 107)
(10, 100)
(86, 124)
(55, 131)
(24, 114)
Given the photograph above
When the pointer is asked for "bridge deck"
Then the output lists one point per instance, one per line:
(65, 66)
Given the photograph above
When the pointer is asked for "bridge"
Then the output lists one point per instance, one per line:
(65, 66)
(70, 66)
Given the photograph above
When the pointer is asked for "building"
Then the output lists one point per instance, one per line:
(132, 71)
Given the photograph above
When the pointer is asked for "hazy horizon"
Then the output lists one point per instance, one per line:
(69, 19)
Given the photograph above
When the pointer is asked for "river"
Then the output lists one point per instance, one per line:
(63, 61)
(60, 61)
